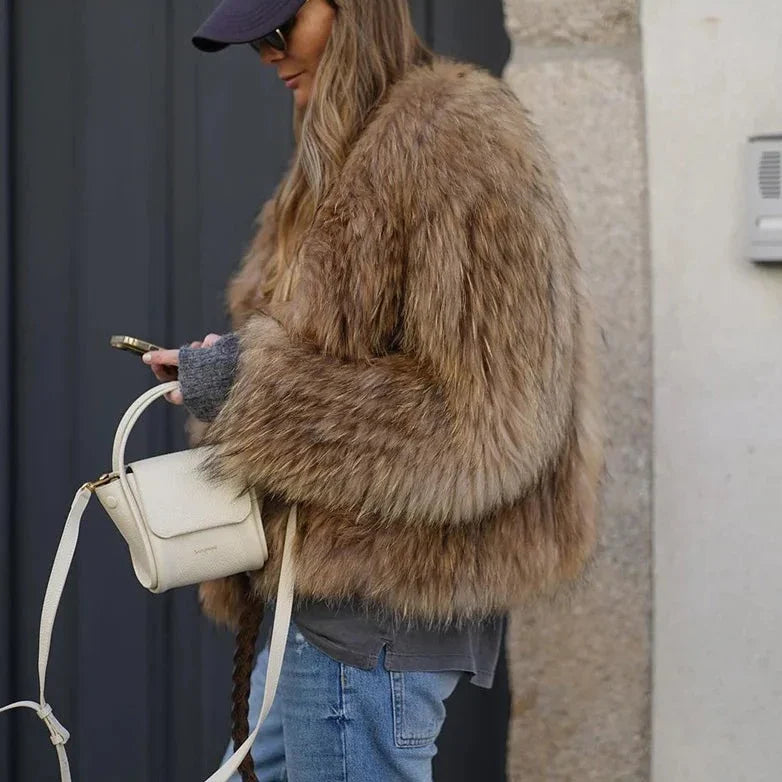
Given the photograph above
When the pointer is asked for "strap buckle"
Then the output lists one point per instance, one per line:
(107, 477)
(58, 733)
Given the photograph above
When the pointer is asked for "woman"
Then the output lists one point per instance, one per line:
(412, 363)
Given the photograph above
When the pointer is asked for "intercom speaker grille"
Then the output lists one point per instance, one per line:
(770, 174)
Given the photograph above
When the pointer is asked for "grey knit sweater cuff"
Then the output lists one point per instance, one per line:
(207, 374)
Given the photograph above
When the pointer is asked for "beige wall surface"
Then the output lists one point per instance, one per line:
(713, 78)
(580, 671)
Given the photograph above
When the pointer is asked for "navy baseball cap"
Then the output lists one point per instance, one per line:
(241, 21)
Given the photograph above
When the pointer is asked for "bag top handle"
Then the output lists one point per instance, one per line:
(128, 421)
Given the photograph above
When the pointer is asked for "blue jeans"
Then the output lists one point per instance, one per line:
(332, 722)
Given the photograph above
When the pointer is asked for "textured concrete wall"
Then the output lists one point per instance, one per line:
(713, 75)
(580, 671)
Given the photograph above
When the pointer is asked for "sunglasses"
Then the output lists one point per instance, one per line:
(276, 39)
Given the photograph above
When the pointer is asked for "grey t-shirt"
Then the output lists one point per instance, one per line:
(348, 632)
(355, 637)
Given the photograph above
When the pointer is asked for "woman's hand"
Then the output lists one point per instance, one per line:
(164, 363)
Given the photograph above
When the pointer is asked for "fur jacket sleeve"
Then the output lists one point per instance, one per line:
(425, 374)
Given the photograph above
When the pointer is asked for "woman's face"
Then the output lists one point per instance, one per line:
(306, 42)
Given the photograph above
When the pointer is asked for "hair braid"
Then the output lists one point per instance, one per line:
(246, 638)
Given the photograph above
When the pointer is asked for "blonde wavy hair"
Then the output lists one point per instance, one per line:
(371, 45)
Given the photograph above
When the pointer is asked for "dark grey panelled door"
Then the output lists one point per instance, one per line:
(6, 319)
(132, 166)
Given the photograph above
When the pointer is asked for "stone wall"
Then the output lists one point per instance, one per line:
(580, 670)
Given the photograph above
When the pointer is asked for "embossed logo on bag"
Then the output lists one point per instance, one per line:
(204, 550)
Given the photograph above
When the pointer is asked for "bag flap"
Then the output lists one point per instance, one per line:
(176, 498)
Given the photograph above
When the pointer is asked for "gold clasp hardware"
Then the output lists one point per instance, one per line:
(107, 477)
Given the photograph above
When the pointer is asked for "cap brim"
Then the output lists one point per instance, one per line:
(207, 44)
(242, 21)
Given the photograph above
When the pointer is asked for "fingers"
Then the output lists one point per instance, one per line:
(164, 364)
(156, 358)
(175, 397)
(165, 374)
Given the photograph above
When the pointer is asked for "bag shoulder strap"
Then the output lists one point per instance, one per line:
(282, 619)
(62, 563)
(59, 573)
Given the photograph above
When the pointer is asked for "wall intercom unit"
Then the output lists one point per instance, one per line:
(764, 188)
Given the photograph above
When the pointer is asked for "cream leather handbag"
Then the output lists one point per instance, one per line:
(181, 529)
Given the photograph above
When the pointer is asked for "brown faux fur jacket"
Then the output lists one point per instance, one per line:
(429, 396)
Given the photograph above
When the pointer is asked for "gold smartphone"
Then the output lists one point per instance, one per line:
(132, 344)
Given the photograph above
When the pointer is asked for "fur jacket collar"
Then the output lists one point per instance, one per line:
(428, 395)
